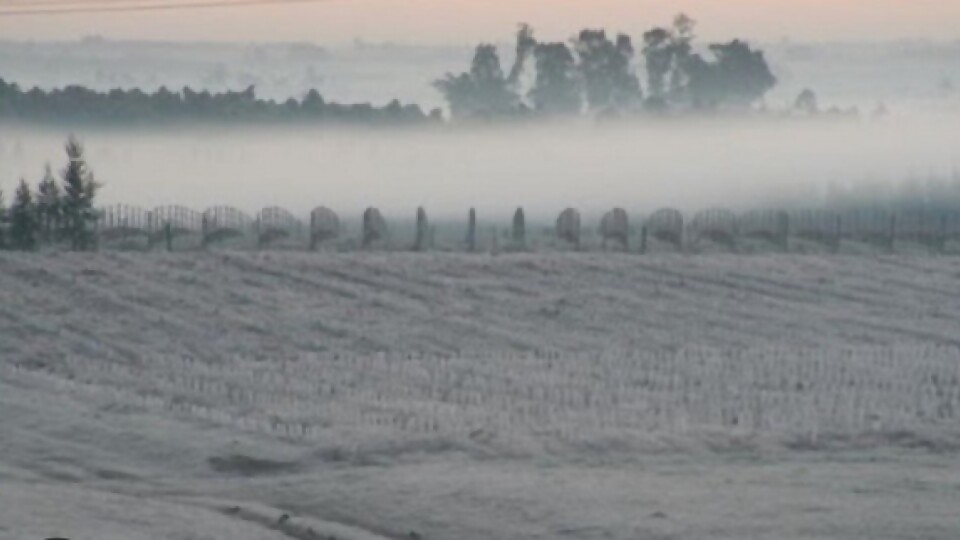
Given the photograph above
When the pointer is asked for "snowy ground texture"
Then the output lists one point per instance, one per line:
(296, 395)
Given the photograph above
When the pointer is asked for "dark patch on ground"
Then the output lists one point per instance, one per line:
(249, 466)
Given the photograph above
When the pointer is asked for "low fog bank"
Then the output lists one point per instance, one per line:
(690, 165)
(900, 74)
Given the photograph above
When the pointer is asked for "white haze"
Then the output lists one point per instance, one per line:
(690, 165)
(545, 169)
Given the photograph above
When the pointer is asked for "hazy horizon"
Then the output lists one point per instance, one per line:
(505, 39)
(641, 166)
(462, 22)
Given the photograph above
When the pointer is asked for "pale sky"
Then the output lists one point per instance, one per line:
(469, 21)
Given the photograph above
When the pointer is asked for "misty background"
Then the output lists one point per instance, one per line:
(691, 164)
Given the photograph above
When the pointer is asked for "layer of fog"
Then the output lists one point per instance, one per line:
(641, 167)
(902, 75)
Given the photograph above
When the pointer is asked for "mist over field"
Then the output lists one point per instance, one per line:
(640, 165)
(690, 165)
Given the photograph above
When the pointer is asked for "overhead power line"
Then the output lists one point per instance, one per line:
(71, 3)
(63, 7)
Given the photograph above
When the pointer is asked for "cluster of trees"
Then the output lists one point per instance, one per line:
(81, 104)
(595, 72)
(56, 212)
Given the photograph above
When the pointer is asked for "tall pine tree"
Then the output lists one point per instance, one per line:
(48, 207)
(23, 219)
(79, 191)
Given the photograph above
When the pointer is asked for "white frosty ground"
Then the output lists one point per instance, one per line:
(284, 304)
(523, 396)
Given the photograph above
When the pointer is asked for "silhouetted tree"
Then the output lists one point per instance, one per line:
(682, 53)
(557, 88)
(668, 52)
(48, 206)
(525, 45)
(738, 77)
(658, 52)
(10, 94)
(605, 68)
(599, 70)
(165, 102)
(313, 103)
(79, 192)
(23, 219)
(485, 92)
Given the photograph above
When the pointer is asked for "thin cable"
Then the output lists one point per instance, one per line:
(69, 3)
(27, 5)
(150, 7)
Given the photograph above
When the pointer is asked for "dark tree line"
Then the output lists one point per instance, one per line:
(81, 104)
(57, 212)
(595, 73)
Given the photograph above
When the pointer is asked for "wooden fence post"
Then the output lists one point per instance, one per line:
(423, 231)
(472, 231)
(519, 229)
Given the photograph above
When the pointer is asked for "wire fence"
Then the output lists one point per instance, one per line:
(667, 228)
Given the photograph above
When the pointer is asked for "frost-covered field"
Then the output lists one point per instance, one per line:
(278, 305)
(205, 395)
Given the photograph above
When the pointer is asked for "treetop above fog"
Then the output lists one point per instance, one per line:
(596, 73)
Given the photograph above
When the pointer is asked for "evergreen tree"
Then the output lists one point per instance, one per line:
(79, 191)
(23, 219)
(48, 207)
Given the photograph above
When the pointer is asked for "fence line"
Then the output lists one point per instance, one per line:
(663, 229)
